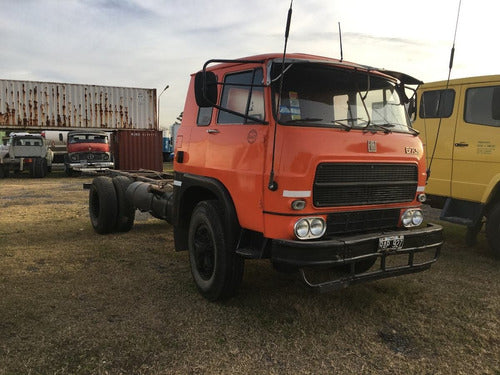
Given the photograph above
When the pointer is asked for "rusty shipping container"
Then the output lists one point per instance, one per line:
(138, 149)
(31, 105)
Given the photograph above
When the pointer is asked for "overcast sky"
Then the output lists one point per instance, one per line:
(153, 43)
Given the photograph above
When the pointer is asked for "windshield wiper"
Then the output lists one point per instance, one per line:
(384, 127)
(413, 131)
(344, 126)
(305, 119)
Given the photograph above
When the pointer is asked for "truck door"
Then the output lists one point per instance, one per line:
(437, 118)
(476, 154)
(236, 145)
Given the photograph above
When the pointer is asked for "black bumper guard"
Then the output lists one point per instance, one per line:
(348, 251)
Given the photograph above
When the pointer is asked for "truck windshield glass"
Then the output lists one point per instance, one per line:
(28, 142)
(320, 95)
(87, 138)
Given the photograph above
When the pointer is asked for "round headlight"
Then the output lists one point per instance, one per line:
(302, 228)
(412, 218)
(406, 218)
(105, 157)
(74, 157)
(317, 227)
(418, 218)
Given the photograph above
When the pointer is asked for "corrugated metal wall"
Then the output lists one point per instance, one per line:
(136, 150)
(45, 105)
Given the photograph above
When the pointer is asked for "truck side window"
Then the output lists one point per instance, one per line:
(240, 95)
(481, 105)
(437, 103)
(204, 116)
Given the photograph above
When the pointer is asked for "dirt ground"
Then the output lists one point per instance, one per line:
(75, 302)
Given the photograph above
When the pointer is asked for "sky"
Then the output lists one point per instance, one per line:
(155, 43)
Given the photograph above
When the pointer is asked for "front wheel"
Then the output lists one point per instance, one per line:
(216, 268)
(493, 230)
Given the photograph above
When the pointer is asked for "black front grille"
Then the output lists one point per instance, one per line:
(361, 221)
(349, 184)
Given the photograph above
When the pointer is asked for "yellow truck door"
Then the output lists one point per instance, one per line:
(476, 154)
(438, 114)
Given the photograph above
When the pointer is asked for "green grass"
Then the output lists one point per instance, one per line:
(74, 302)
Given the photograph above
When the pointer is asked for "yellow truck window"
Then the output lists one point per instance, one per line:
(481, 106)
(437, 103)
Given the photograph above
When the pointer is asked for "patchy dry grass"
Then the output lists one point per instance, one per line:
(74, 302)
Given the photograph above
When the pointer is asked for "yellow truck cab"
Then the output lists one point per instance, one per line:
(459, 124)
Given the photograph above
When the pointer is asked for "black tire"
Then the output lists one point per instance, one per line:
(38, 168)
(68, 171)
(102, 205)
(33, 170)
(4, 171)
(43, 167)
(493, 230)
(125, 209)
(216, 268)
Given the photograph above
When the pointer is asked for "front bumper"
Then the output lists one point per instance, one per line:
(86, 166)
(346, 251)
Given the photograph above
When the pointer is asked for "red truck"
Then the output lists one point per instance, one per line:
(308, 161)
(87, 150)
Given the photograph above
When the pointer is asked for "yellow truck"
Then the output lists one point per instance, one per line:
(459, 124)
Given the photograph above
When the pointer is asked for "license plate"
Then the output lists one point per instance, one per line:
(390, 243)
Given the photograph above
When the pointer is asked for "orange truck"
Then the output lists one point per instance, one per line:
(308, 161)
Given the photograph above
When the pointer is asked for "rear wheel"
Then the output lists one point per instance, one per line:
(4, 171)
(493, 229)
(125, 209)
(102, 205)
(216, 268)
(43, 167)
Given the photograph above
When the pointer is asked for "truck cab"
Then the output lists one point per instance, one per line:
(459, 123)
(305, 160)
(87, 151)
(25, 151)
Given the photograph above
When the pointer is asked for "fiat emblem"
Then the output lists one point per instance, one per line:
(372, 146)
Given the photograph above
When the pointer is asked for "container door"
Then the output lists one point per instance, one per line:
(476, 153)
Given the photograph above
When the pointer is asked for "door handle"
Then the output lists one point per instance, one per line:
(213, 131)
(461, 144)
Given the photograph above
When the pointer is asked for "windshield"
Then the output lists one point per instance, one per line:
(87, 138)
(320, 95)
(28, 141)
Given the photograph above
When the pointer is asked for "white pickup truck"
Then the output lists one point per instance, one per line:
(25, 152)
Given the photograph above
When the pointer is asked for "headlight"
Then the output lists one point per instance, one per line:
(302, 228)
(106, 157)
(317, 227)
(309, 228)
(418, 218)
(74, 157)
(412, 218)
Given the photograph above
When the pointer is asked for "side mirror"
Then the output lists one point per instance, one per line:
(205, 89)
(495, 104)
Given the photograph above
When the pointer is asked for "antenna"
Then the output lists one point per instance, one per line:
(450, 66)
(273, 186)
(341, 50)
